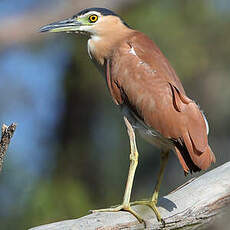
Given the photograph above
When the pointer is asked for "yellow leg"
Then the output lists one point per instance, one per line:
(152, 203)
(125, 206)
(164, 160)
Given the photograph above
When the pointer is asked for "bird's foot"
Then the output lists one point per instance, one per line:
(151, 204)
(121, 207)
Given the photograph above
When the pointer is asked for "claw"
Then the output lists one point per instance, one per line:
(163, 222)
(121, 208)
(152, 205)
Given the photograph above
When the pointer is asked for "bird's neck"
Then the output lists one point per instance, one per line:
(101, 46)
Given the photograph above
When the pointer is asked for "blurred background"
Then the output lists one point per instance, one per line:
(70, 152)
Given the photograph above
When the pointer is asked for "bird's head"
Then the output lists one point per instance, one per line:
(92, 21)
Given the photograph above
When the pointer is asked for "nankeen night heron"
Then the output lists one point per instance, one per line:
(148, 92)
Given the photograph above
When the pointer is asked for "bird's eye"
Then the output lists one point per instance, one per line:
(93, 18)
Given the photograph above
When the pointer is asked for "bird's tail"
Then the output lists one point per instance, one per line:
(192, 146)
(190, 160)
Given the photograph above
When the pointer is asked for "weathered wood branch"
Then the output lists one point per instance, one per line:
(191, 206)
(7, 134)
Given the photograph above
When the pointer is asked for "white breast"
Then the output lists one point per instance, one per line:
(149, 134)
(89, 47)
(91, 44)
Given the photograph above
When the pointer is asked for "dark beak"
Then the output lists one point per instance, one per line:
(62, 26)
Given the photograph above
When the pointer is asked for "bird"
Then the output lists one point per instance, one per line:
(149, 94)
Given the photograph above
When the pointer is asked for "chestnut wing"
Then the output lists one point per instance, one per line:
(140, 76)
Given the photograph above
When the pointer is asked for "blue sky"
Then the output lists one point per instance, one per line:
(31, 95)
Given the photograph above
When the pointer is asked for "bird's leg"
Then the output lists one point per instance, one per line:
(164, 160)
(125, 206)
(152, 203)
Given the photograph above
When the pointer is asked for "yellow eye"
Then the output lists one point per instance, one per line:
(93, 18)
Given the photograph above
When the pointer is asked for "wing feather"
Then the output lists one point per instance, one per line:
(155, 93)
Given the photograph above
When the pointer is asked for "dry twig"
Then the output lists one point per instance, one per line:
(7, 134)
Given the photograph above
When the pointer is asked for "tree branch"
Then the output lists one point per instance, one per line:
(7, 134)
(191, 206)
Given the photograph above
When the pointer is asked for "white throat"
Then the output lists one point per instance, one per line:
(91, 44)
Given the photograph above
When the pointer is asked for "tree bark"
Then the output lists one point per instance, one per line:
(7, 134)
(193, 205)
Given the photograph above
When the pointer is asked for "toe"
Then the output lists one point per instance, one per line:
(163, 222)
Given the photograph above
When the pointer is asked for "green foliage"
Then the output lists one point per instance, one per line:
(55, 200)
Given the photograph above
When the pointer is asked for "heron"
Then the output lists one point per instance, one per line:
(149, 94)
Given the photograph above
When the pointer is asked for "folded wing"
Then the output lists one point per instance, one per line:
(139, 76)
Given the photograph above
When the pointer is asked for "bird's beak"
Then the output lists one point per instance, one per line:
(62, 26)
